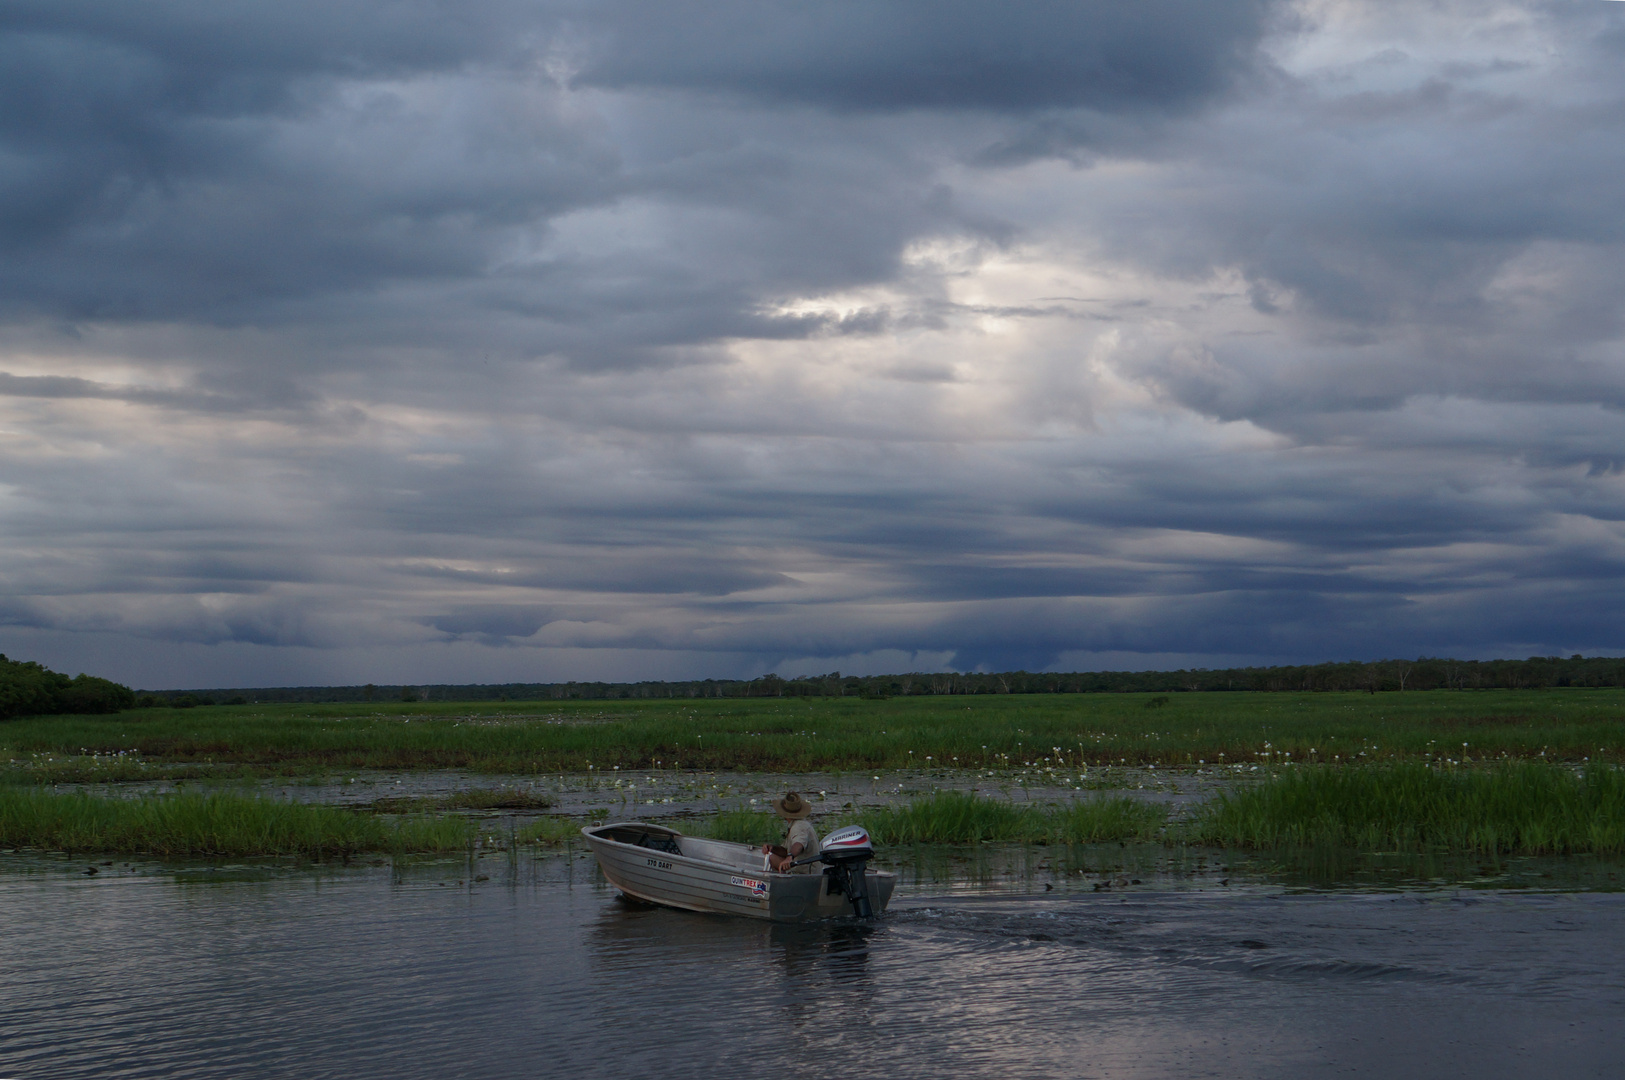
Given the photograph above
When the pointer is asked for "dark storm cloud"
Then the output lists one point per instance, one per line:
(102, 93)
(948, 54)
(771, 333)
(491, 625)
(222, 161)
(610, 571)
(202, 160)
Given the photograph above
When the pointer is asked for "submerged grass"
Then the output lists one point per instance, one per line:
(1525, 809)
(550, 830)
(212, 826)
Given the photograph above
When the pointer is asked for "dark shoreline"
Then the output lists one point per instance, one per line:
(1534, 673)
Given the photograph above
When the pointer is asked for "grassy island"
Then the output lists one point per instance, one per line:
(213, 826)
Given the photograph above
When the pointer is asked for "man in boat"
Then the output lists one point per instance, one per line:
(799, 840)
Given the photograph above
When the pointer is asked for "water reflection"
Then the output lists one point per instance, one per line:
(837, 952)
(629, 933)
(423, 970)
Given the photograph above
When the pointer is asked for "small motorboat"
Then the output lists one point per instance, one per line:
(662, 866)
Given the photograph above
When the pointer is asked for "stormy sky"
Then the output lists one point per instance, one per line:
(348, 341)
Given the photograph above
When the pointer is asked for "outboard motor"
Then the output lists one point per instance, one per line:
(846, 854)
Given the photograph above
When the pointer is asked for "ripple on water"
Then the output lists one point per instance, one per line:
(368, 972)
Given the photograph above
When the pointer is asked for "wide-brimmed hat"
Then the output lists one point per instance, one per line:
(791, 807)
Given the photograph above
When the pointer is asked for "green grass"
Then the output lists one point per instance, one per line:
(1004, 732)
(954, 818)
(212, 826)
(744, 827)
(1512, 808)
(1521, 808)
(1097, 821)
(951, 817)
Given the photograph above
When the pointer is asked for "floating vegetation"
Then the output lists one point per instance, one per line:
(213, 826)
(1520, 808)
(473, 799)
(111, 767)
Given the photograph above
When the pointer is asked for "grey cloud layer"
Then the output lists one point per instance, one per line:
(206, 164)
(774, 334)
(955, 54)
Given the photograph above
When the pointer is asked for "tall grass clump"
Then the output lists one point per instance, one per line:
(1520, 808)
(953, 817)
(744, 827)
(1099, 821)
(212, 826)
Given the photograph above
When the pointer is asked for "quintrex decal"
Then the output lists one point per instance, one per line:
(759, 888)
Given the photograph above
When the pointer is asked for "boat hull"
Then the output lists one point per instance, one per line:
(662, 866)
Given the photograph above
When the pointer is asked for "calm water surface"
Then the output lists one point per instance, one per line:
(370, 972)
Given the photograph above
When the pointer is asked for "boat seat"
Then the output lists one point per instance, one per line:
(660, 842)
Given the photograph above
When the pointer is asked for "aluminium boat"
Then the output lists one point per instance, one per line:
(662, 866)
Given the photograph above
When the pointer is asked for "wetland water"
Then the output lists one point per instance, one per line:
(540, 970)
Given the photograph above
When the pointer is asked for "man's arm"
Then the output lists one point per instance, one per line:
(795, 853)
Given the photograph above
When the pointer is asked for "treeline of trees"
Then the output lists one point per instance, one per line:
(31, 689)
(1426, 673)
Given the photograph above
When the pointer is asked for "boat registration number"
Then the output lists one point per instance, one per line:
(659, 864)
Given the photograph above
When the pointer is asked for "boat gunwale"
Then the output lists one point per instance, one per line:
(588, 831)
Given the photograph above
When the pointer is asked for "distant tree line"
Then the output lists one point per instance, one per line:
(1427, 673)
(31, 689)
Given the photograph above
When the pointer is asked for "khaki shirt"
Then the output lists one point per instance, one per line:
(801, 832)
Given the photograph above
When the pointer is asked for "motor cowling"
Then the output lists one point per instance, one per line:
(846, 854)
